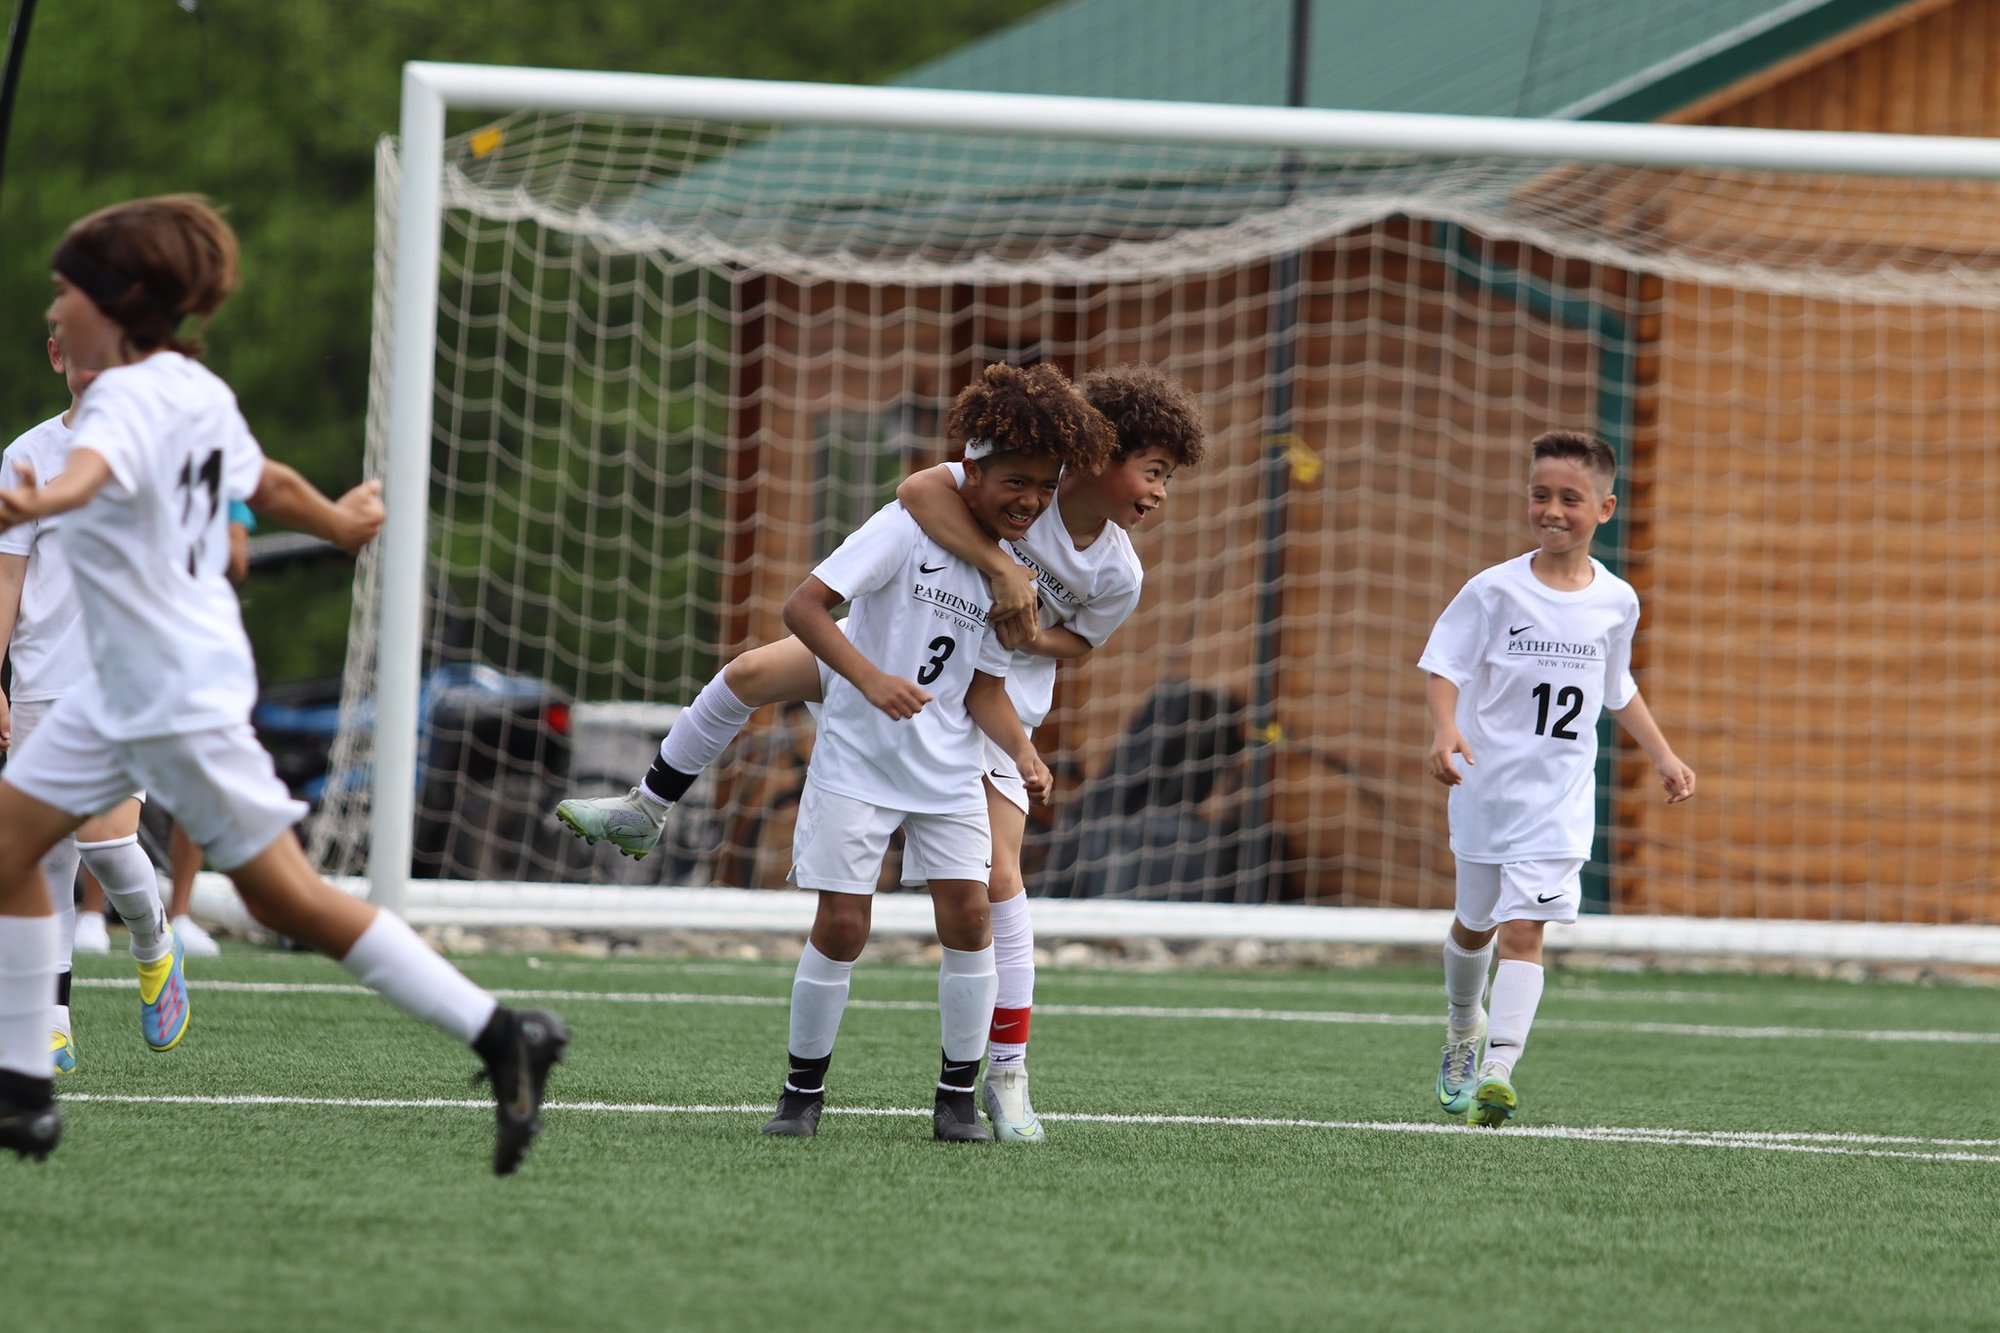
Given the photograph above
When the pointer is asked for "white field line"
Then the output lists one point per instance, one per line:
(1844, 1145)
(1328, 1016)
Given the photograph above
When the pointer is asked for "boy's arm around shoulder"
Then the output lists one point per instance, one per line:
(932, 499)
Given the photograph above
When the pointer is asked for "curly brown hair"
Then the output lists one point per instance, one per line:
(1032, 410)
(1148, 409)
(162, 260)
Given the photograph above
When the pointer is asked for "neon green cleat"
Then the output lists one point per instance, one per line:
(1458, 1071)
(63, 1047)
(631, 822)
(1494, 1101)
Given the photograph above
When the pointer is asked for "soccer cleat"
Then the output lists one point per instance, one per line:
(798, 1114)
(519, 1075)
(200, 944)
(1005, 1093)
(1493, 1099)
(31, 1132)
(954, 1118)
(163, 999)
(1458, 1071)
(62, 1047)
(631, 822)
(92, 936)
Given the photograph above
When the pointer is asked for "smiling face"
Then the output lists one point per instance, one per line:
(1008, 492)
(1566, 504)
(1132, 487)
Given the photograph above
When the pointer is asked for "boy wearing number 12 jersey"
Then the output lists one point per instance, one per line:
(1520, 664)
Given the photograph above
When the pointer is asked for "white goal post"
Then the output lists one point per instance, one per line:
(1687, 238)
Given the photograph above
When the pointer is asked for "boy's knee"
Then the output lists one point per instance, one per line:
(1521, 939)
(840, 926)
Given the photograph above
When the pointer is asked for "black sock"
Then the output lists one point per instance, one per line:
(669, 784)
(493, 1040)
(807, 1075)
(25, 1093)
(957, 1075)
(62, 988)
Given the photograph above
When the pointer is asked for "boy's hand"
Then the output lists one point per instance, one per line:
(360, 516)
(1677, 778)
(1035, 776)
(6, 724)
(1013, 593)
(895, 696)
(1017, 630)
(21, 503)
(1447, 744)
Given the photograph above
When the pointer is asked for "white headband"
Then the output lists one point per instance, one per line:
(978, 449)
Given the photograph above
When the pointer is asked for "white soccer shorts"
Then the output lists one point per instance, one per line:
(27, 715)
(219, 782)
(1001, 773)
(838, 843)
(1518, 891)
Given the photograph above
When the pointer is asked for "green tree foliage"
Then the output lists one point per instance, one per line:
(274, 110)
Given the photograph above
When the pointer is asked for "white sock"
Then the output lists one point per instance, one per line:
(703, 729)
(392, 961)
(1517, 991)
(1465, 982)
(819, 998)
(133, 891)
(59, 1020)
(1014, 967)
(59, 868)
(27, 984)
(966, 986)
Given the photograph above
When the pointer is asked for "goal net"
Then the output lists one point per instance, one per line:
(678, 356)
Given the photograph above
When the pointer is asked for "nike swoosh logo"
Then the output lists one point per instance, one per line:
(1511, 633)
(1547, 897)
(928, 569)
(994, 772)
(1004, 1027)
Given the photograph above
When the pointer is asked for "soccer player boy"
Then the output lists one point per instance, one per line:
(915, 671)
(1520, 664)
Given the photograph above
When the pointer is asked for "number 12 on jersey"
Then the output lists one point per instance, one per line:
(1570, 697)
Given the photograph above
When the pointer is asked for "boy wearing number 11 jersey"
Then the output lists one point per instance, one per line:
(1520, 664)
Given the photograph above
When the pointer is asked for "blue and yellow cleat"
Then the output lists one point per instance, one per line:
(63, 1047)
(163, 1000)
(1493, 1100)
(1457, 1071)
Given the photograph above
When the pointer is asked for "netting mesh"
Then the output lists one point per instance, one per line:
(677, 361)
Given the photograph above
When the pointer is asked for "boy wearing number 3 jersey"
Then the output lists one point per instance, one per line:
(915, 678)
(1520, 665)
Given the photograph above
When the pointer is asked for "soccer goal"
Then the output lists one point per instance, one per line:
(648, 347)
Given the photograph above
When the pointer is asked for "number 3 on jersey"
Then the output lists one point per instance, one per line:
(1570, 697)
(941, 650)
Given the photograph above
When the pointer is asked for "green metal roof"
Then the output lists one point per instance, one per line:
(1585, 59)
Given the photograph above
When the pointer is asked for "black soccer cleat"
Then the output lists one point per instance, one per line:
(519, 1072)
(31, 1132)
(955, 1118)
(797, 1116)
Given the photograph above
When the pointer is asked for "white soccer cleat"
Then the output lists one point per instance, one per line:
(91, 934)
(1005, 1094)
(198, 942)
(1458, 1071)
(631, 822)
(1493, 1097)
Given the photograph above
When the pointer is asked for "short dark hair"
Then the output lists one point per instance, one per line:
(1581, 448)
(1031, 410)
(1148, 409)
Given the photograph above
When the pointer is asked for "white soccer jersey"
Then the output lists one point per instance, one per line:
(1534, 666)
(48, 648)
(918, 612)
(149, 552)
(1090, 591)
